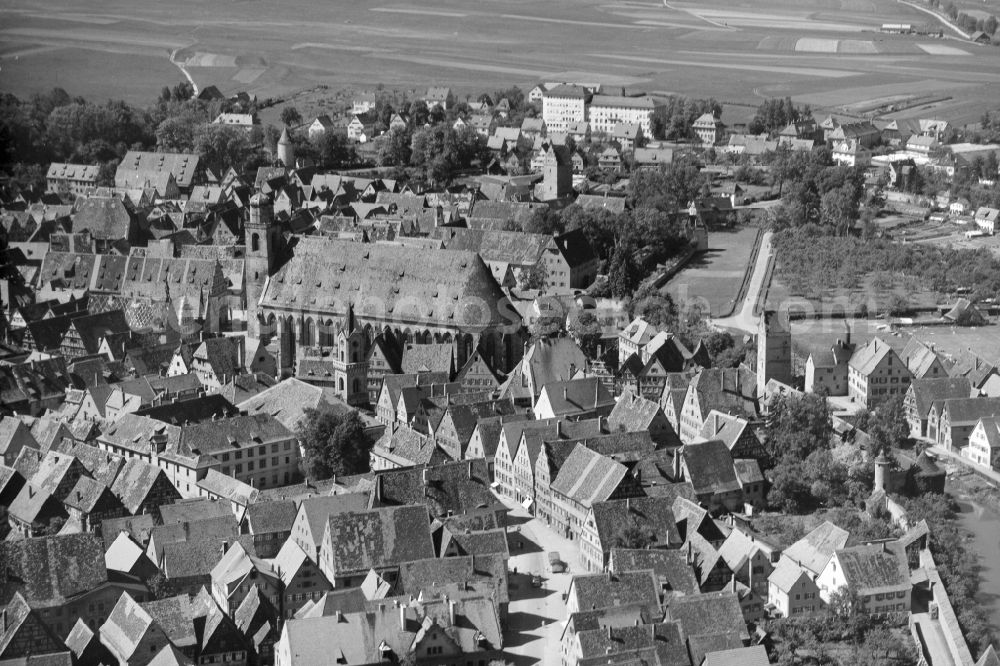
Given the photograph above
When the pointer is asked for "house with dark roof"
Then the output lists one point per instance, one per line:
(257, 619)
(603, 590)
(110, 222)
(24, 634)
(877, 573)
(14, 436)
(378, 539)
(828, 371)
(237, 571)
(270, 524)
(63, 578)
(137, 169)
(574, 398)
(875, 372)
(646, 522)
(313, 514)
(659, 642)
(951, 421)
(34, 511)
(633, 413)
(984, 443)
(922, 361)
(143, 488)
(587, 477)
(710, 622)
(131, 634)
(672, 568)
(198, 628)
(448, 489)
(484, 575)
(708, 466)
(89, 503)
(923, 393)
(728, 390)
(301, 578)
(85, 645)
(736, 432)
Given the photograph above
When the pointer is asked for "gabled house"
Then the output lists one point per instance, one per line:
(923, 393)
(984, 443)
(236, 572)
(642, 522)
(301, 578)
(23, 634)
(313, 514)
(922, 361)
(576, 398)
(131, 633)
(632, 413)
(378, 539)
(876, 372)
(952, 421)
(709, 468)
(198, 628)
(878, 574)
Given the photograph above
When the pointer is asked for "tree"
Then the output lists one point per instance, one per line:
(543, 221)
(634, 536)
(290, 116)
(886, 426)
(334, 149)
(587, 331)
(223, 146)
(334, 444)
(394, 147)
(533, 277)
(158, 586)
(797, 426)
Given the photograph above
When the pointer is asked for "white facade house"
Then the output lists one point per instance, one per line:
(606, 111)
(984, 443)
(564, 105)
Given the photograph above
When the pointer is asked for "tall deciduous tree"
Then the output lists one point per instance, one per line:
(333, 443)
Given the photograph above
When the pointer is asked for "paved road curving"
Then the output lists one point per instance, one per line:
(745, 319)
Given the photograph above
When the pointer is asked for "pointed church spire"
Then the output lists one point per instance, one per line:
(350, 323)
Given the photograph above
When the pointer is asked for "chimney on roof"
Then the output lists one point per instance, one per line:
(609, 634)
(470, 469)
(451, 610)
(600, 423)
(426, 476)
(733, 583)
(559, 428)
(565, 393)
(340, 615)
(402, 617)
(689, 557)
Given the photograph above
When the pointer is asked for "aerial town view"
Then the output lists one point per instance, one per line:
(564, 333)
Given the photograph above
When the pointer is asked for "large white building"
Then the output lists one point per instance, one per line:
(564, 105)
(606, 111)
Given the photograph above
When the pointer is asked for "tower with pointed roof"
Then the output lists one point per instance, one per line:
(286, 150)
(774, 350)
(350, 365)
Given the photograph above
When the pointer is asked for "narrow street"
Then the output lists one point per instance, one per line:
(537, 614)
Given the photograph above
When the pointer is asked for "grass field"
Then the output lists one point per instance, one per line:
(954, 342)
(713, 279)
(739, 51)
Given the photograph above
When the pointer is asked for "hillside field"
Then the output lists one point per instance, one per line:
(824, 52)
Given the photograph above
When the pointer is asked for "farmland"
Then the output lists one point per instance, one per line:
(822, 52)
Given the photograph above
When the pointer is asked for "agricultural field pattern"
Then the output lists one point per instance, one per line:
(827, 53)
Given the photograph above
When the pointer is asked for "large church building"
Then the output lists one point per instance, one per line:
(419, 295)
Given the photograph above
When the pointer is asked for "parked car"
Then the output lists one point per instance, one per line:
(556, 564)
